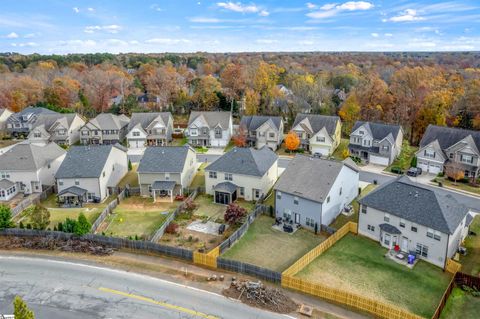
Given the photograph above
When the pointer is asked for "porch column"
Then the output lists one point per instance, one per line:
(171, 195)
(154, 195)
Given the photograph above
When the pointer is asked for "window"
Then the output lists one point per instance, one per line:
(167, 176)
(136, 133)
(95, 132)
(451, 155)
(48, 166)
(37, 135)
(103, 174)
(402, 222)
(321, 139)
(77, 182)
(256, 193)
(261, 134)
(228, 177)
(422, 250)
(310, 222)
(429, 232)
(328, 199)
(150, 189)
(205, 131)
(5, 175)
(386, 217)
(436, 235)
(364, 209)
(279, 195)
(466, 158)
(60, 182)
(242, 191)
(429, 153)
(386, 240)
(295, 200)
(414, 228)
(340, 192)
(218, 132)
(84, 132)
(371, 228)
(113, 132)
(361, 132)
(193, 132)
(212, 174)
(61, 132)
(271, 135)
(385, 147)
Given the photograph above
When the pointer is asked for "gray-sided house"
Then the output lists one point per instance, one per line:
(105, 128)
(149, 129)
(241, 173)
(442, 147)
(319, 134)
(164, 172)
(63, 129)
(417, 219)
(28, 168)
(376, 143)
(312, 191)
(210, 129)
(21, 123)
(263, 131)
(90, 173)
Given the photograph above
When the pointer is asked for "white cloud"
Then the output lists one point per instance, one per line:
(11, 35)
(134, 42)
(266, 41)
(166, 41)
(407, 16)
(116, 42)
(29, 35)
(205, 20)
(388, 35)
(332, 9)
(78, 43)
(25, 44)
(91, 9)
(264, 13)
(311, 5)
(374, 34)
(113, 28)
(243, 8)
(156, 7)
(76, 9)
(422, 44)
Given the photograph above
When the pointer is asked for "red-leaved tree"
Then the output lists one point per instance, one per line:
(240, 138)
(234, 214)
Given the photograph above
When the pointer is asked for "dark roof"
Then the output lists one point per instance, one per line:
(390, 229)
(144, 119)
(311, 177)
(84, 161)
(379, 130)
(317, 122)
(169, 159)
(447, 136)
(254, 122)
(245, 161)
(163, 185)
(417, 203)
(27, 156)
(225, 187)
(469, 219)
(75, 190)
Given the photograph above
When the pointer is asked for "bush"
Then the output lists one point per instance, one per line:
(21, 226)
(413, 163)
(171, 228)
(396, 170)
(82, 226)
(6, 217)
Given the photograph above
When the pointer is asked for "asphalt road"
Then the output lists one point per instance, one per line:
(60, 289)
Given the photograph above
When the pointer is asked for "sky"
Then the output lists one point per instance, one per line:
(83, 26)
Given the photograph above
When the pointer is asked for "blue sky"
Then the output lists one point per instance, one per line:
(63, 26)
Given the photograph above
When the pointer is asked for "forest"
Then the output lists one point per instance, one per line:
(411, 89)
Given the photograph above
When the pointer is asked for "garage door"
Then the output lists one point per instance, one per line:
(430, 167)
(320, 149)
(378, 160)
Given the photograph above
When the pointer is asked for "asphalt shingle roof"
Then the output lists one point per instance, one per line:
(254, 122)
(226, 187)
(317, 122)
(379, 130)
(310, 177)
(163, 185)
(447, 136)
(245, 161)
(212, 118)
(109, 121)
(417, 203)
(27, 157)
(5, 184)
(169, 159)
(144, 119)
(75, 190)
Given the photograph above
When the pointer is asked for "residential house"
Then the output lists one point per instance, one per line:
(414, 219)
(164, 172)
(4, 115)
(210, 129)
(263, 131)
(376, 143)
(27, 167)
(20, 124)
(319, 134)
(241, 173)
(313, 191)
(442, 147)
(149, 129)
(287, 102)
(63, 129)
(105, 128)
(91, 173)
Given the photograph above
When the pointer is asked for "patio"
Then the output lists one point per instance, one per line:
(285, 226)
(402, 258)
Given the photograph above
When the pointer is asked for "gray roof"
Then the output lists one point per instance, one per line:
(379, 131)
(447, 136)
(390, 229)
(212, 118)
(48, 120)
(163, 185)
(254, 122)
(469, 219)
(144, 119)
(317, 122)
(169, 159)
(311, 177)
(5, 184)
(75, 190)
(85, 161)
(226, 187)
(109, 121)
(245, 161)
(27, 157)
(417, 203)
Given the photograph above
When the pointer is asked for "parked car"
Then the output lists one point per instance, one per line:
(414, 171)
(317, 155)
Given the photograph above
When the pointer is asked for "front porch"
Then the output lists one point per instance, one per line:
(72, 197)
(156, 142)
(165, 191)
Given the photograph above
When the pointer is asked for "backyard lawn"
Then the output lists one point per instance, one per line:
(358, 265)
(266, 247)
(461, 305)
(131, 178)
(206, 207)
(339, 152)
(405, 158)
(471, 262)
(199, 179)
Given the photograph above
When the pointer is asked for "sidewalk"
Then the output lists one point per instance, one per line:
(214, 151)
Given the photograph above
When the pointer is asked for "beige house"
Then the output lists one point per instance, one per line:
(319, 134)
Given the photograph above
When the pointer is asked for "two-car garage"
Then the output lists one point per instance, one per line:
(379, 160)
(430, 167)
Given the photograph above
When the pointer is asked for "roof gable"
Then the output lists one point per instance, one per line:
(316, 122)
(379, 131)
(169, 159)
(212, 119)
(448, 136)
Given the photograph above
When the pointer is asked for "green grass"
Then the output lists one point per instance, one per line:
(342, 219)
(461, 305)
(338, 153)
(130, 178)
(206, 207)
(405, 158)
(58, 215)
(471, 262)
(266, 247)
(179, 141)
(201, 149)
(229, 146)
(199, 179)
(358, 265)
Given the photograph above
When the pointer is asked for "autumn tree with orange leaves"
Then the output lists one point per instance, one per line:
(240, 138)
(292, 141)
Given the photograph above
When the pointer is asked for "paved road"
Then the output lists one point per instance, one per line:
(60, 289)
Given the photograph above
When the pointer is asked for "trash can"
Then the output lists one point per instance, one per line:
(411, 259)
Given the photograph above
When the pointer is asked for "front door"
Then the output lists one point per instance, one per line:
(297, 218)
(405, 244)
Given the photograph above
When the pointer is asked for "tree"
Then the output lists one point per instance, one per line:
(455, 171)
(292, 141)
(69, 225)
(39, 217)
(234, 214)
(21, 310)
(349, 112)
(205, 95)
(252, 101)
(240, 138)
(82, 226)
(129, 165)
(264, 82)
(5, 217)
(413, 162)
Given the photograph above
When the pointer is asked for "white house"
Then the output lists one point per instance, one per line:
(149, 129)
(210, 129)
(105, 128)
(4, 115)
(29, 167)
(263, 131)
(91, 173)
(312, 192)
(63, 129)
(319, 134)
(241, 173)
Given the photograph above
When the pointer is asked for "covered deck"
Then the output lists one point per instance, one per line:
(163, 191)
(73, 196)
(225, 193)
(8, 190)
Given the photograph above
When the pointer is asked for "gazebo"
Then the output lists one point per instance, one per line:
(163, 190)
(225, 193)
(72, 196)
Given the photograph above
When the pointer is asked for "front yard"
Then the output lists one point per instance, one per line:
(458, 185)
(358, 265)
(461, 305)
(266, 247)
(471, 262)
(405, 158)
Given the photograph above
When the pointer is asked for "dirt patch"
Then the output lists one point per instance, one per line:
(191, 239)
(256, 294)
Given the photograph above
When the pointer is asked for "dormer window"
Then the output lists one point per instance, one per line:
(218, 132)
(466, 159)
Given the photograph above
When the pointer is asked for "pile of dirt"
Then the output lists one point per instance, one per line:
(255, 294)
(51, 243)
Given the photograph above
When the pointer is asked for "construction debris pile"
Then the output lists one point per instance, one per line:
(256, 294)
(51, 243)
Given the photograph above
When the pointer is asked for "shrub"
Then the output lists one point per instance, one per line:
(6, 217)
(413, 163)
(82, 226)
(29, 226)
(396, 170)
(60, 226)
(171, 228)
(21, 226)
(234, 214)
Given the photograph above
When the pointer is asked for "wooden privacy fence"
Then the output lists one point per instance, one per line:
(34, 198)
(452, 266)
(249, 269)
(209, 260)
(444, 299)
